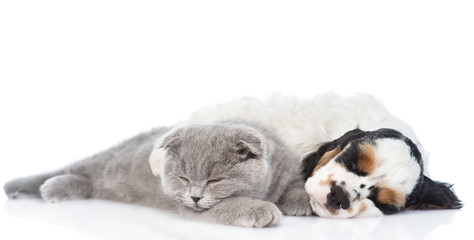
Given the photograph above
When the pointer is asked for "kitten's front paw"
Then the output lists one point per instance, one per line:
(295, 203)
(262, 214)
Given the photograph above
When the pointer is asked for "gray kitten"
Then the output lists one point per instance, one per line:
(232, 173)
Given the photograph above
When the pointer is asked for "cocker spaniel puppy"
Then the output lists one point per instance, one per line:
(371, 173)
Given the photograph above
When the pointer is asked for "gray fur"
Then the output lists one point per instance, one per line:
(232, 173)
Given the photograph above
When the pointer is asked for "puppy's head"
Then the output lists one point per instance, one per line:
(371, 173)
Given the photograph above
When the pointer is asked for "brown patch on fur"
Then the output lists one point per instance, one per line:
(327, 181)
(349, 210)
(391, 197)
(326, 158)
(362, 208)
(366, 162)
(332, 211)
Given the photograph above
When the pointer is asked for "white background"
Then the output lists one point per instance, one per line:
(79, 76)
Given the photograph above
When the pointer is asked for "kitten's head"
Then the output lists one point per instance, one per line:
(204, 164)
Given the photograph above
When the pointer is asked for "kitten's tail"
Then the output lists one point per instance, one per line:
(27, 187)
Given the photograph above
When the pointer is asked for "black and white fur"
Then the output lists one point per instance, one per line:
(371, 173)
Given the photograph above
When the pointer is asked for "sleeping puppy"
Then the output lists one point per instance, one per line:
(371, 173)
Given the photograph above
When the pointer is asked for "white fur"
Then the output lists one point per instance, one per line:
(157, 156)
(398, 169)
(304, 124)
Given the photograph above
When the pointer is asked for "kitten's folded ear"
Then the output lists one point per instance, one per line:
(168, 143)
(171, 143)
(435, 195)
(249, 146)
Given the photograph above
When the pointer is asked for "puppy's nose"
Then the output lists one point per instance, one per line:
(196, 199)
(337, 198)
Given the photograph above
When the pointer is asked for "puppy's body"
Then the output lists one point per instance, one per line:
(303, 124)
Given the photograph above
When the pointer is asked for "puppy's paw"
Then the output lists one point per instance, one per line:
(261, 214)
(295, 203)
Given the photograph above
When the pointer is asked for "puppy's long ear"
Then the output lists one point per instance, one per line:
(169, 142)
(435, 195)
(313, 161)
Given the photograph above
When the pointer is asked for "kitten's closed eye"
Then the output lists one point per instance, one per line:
(211, 181)
(184, 179)
(214, 180)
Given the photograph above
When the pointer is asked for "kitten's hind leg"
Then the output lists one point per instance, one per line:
(26, 187)
(66, 187)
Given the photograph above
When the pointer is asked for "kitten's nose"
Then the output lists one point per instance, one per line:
(196, 199)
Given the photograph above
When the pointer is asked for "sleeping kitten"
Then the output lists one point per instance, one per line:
(232, 173)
